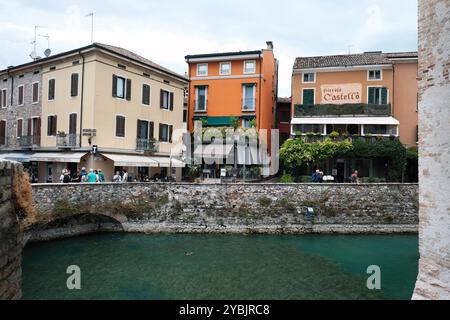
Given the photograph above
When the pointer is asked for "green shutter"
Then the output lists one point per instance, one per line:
(384, 94)
(371, 95)
(308, 96)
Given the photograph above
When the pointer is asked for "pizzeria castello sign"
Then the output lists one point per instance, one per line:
(341, 93)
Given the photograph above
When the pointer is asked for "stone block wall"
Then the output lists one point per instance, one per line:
(10, 236)
(235, 208)
(434, 169)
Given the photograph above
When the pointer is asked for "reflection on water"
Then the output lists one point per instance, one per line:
(154, 267)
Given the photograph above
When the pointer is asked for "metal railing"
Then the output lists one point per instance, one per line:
(357, 109)
(68, 141)
(320, 138)
(30, 141)
(150, 145)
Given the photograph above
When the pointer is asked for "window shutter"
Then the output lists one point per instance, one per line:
(74, 85)
(38, 129)
(19, 128)
(51, 89)
(151, 130)
(49, 126)
(128, 97)
(139, 129)
(2, 132)
(114, 86)
(308, 97)
(170, 133)
(160, 132)
(35, 92)
(29, 127)
(161, 99)
(171, 101)
(384, 94)
(1, 98)
(55, 119)
(371, 95)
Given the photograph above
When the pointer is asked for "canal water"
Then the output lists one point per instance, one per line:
(154, 267)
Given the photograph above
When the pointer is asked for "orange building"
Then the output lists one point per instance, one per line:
(225, 86)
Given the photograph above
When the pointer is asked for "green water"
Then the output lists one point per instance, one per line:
(154, 267)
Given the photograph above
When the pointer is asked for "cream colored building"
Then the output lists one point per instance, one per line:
(109, 100)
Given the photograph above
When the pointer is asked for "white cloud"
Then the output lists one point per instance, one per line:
(166, 31)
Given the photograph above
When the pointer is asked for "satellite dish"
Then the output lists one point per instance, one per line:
(47, 52)
(33, 55)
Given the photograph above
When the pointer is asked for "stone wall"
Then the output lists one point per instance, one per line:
(434, 113)
(13, 111)
(10, 236)
(231, 208)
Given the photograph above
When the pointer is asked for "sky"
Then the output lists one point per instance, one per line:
(165, 31)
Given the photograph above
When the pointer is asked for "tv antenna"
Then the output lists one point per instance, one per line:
(350, 46)
(33, 54)
(47, 51)
(92, 25)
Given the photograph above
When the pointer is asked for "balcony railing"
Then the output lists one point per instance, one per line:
(359, 109)
(248, 104)
(149, 145)
(320, 138)
(30, 141)
(68, 141)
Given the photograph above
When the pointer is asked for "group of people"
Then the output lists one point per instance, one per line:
(317, 177)
(93, 176)
(121, 178)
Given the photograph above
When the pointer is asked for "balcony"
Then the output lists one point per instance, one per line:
(68, 141)
(334, 110)
(313, 138)
(148, 145)
(30, 141)
(248, 104)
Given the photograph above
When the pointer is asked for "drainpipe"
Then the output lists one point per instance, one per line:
(260, 90)
(82, 98)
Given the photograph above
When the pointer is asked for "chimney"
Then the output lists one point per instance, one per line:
(269, 45)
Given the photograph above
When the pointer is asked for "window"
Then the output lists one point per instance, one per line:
(166, 100)
(380, 130)
(73, 124)
(20, 96)
(374, 75)
(74, 85)
(247, 123)
(3, 98)
(2, 132)
(250, 66)
(19, 128)
(51, 89)
(308, 96)
(225, 68)
(121, 88)
(145, 130)
(202, 70)
(309, 77)
(35, 92)
(201, 104)
(165, 132)
(378, 95)
(120, 126)
(248, 101)
(146, 94)
(285, 117)
(185, 113)
(51, 126)
(308, 128)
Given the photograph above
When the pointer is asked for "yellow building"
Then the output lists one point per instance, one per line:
(104, 107)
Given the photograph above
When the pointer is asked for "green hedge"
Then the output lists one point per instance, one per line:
(303, 110)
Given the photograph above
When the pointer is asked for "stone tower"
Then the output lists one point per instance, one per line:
(434, 127)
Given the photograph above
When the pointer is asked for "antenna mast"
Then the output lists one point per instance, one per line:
(92, 25)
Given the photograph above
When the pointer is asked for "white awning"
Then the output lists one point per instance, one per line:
(123, 160)
(348, 120)
(58, 157)
(18, 157)
(164, 162)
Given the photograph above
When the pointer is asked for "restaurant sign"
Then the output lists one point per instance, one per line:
(341, 93)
